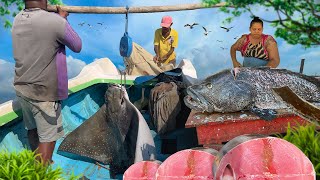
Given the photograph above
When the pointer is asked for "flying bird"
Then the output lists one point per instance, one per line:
(191, 26)
(90, 25)
(235, 37)
(227, 29)
(81, 24)
(195, 50)
(100, 23)
(223, 48)
(206, 32)
(219, 41)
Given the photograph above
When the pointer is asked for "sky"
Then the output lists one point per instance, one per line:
(209, 54)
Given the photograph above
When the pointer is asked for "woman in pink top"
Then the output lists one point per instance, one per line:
(258, 49)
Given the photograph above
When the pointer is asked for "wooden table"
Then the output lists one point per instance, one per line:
(216, 128)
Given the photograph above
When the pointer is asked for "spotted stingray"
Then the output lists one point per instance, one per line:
(117, 134)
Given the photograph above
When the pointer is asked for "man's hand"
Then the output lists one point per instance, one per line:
(164, 58)
(62, 13)
(156, 58)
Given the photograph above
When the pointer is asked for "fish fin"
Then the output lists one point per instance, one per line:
(73, 145)
(300, 106)
(266, 114)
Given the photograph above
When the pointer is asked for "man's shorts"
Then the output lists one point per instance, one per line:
(43, 115)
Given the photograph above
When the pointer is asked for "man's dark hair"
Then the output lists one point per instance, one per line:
(256, 20)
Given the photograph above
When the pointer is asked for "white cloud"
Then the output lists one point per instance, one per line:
(74, 66)
(7, 91)
(285, 47)
(311, 55)
(311, 64)
(312, 67)
(2, 61)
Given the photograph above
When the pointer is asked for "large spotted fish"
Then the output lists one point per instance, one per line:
(250, 89)
(117, 134)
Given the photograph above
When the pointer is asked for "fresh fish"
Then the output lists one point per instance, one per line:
(250, 89)
(259, 157)
(117, 134)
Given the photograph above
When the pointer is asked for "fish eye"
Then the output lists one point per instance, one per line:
(209, 85)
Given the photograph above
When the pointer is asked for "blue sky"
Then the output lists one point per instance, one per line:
(204, 51)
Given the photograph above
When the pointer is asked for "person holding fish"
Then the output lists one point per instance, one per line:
(165, 41)
(258, 49)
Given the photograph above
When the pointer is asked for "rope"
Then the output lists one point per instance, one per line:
(123, 73)
(126, 28)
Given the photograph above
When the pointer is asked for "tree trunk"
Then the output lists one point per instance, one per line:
(123, 10)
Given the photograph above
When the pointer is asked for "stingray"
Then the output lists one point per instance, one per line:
(117, 134)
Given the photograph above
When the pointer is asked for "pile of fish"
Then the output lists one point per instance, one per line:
(243, 157)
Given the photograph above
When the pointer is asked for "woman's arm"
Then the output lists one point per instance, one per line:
(236, 46)
(272, 48)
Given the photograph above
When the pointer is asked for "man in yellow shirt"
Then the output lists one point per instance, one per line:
(165, 41)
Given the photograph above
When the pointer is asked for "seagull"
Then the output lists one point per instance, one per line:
(81, 24)
(205, 31)
(219, 41)
(191, 26)
(227, 29)
(223, 48)
(100, 23)
(235, 37)
(90, 25)
(196, 50)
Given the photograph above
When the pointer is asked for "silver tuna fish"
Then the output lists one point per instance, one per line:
(249, 88)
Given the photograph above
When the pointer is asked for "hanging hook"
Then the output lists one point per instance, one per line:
(127, 8)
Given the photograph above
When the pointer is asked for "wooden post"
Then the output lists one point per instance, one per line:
(141, 9)
(301, 65)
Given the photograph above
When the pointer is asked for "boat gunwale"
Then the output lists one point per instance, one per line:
(15, 113)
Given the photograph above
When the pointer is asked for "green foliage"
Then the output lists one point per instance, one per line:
(307, 139)
(57, 2)
(24, 166)
(7, 5)
(7, 24)
(297, 22)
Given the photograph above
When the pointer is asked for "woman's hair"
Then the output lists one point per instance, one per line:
(256, 20)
